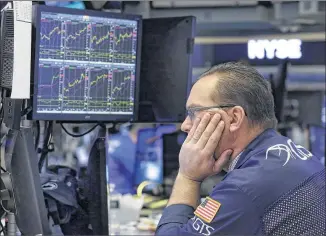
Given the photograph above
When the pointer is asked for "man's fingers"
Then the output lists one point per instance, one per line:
(200, 128)
(215, 138)
(222, 161)
(209, 130)
(192, 130)
(225, 118)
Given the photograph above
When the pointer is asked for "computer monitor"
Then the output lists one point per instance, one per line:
(166, 71)
(308, 113)
(317, 141)
(278, 84)
(149, 154)
(97, 194)
(86, 65)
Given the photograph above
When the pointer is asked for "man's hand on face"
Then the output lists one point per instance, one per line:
(196, 156)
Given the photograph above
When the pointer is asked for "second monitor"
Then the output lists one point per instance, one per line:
(86, 65)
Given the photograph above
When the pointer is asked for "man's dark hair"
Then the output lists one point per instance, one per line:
(243, 85)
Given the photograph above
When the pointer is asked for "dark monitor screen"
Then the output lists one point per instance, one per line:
(86, 65)
(171, 147)
(308, 114)
(279, 90)
(166, 69)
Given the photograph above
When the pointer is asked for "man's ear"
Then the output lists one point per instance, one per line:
(237, 115)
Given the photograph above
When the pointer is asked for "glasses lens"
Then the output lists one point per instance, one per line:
(190, 115)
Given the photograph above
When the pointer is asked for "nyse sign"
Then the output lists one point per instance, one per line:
(274, 49)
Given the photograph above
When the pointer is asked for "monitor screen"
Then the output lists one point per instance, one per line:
(149, 154)
(86, 65)
(166, 70)
(317, 141)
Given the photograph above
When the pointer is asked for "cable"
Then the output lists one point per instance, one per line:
(45, 149)
(37, 138)
(1, 109)
(1, 119)
(78, 135)
(3, 230)
(1, 115)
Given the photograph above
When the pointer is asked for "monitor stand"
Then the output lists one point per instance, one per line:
(25, 203)
(97, 193)
(29, 205)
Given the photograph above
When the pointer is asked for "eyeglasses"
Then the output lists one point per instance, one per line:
(192, 111)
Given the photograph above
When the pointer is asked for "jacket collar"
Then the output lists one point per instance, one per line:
(244, 156)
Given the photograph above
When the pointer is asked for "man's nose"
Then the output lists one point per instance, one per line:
(186, 125)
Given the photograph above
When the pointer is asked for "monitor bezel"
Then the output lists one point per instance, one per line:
(86, 117)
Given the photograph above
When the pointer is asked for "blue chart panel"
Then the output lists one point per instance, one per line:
(74, 88)
(100, 43)
(50, 45)
(123, 44)
(76, 41)
(148, 166)
(121, 90)
(149, 154)
(98, 89)
(48, 96)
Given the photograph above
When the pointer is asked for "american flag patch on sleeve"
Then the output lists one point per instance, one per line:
(207, 209)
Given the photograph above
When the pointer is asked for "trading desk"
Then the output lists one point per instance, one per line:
(134, 215)
(146, 225)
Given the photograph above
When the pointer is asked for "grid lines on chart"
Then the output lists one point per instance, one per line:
(49, 86)
(50, 38)
(123, 44)
(98, 89)
(74, 88)
(120, 93)
(100, 42)
(76, 41)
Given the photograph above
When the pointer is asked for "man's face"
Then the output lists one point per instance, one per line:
(200, 96)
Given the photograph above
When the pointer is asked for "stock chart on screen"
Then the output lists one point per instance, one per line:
(86, 64)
